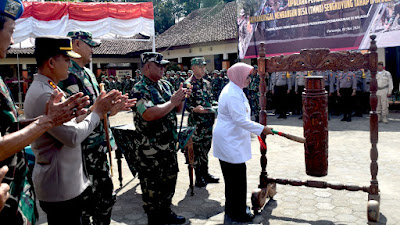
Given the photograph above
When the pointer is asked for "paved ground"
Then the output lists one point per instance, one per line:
(348, 163)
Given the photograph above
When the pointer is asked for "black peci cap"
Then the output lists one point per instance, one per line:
(49, 46)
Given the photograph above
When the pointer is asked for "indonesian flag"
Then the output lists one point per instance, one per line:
(102, 19)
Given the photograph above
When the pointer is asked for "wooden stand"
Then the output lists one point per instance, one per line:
(323, 59)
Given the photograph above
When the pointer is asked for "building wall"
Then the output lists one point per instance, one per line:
(207, 51)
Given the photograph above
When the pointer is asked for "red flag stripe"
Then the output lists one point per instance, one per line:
(47, 11)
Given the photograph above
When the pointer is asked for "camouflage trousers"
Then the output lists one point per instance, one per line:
(102, 196)
(158, 181)
(201, 147)
(254, 104)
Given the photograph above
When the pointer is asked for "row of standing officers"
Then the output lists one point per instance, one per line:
(348, 91)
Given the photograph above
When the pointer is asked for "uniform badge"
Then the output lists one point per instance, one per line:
(55, 88)
(12, 7)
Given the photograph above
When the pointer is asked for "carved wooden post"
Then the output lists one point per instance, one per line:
(315, 124)
(373, 196)
(263, 114)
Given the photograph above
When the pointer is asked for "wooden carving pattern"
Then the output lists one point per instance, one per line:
(323, 59)
(317, 59)
(315, 123)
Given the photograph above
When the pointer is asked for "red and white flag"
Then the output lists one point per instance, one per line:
(101, 19)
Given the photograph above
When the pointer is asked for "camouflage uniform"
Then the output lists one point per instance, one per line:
(119, 85)
(201, 95)
(20, 208)
(94, 149)
(105, 82)
(178, 81)
(216, 84)
(155, 147)
(254, 95)
(112, 84)
(128, 85)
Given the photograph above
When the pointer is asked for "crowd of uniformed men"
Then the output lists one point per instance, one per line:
(348, 91)
(66, 124)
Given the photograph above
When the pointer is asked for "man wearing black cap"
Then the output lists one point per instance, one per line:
(156, 136)
(95, 150)
(59, 178)
(17, 205)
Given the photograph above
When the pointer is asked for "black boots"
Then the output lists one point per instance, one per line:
(203, 178)
(167, 217)
(210, 178)
(172, 218)
(200, 182)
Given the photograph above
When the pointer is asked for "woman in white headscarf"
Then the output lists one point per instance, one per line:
(232, 141)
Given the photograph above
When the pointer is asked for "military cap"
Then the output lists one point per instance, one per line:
(49, 46)
(198, 61)
(103, 76)
(168, 72)
(172, 72)
(190, 71)
(153, 57)
(137, 71)
(11, 8)
(178, 73)
(183, 73)
(84, 36)
(255, 67)
(216, 71)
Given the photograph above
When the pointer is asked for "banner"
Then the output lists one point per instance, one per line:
(287, 26)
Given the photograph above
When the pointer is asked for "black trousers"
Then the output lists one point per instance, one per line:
(347, 101)
(299, 99)
(66, 212)
(235, 187)
(281, 99)
(358, 109)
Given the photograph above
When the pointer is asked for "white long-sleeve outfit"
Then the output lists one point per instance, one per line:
(231, 135)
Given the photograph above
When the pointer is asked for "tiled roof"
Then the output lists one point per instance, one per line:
(201, 26)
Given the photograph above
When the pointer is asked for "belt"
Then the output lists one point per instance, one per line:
(43, 163)
(381, 88)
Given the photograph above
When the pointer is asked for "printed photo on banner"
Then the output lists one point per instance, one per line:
(287, 26)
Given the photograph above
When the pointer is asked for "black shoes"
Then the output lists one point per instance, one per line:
(247, 217)
(282, 116)
(168, 217)
(200, 182)
(211, 179)
(344, 119)
(172, 218)
(204, 178)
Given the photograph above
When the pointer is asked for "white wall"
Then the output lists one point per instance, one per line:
(201, 51)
